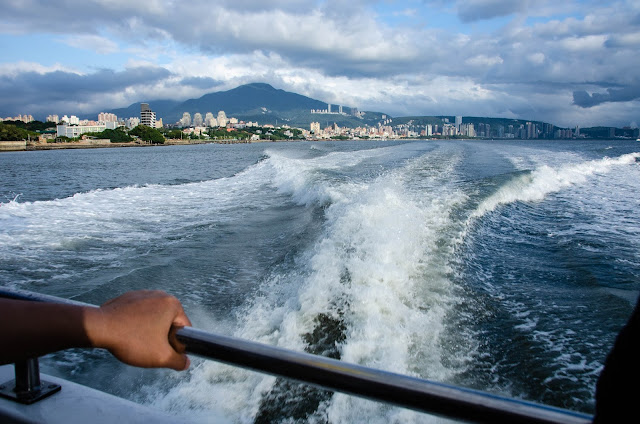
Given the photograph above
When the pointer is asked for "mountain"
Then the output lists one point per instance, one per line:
(254, 102)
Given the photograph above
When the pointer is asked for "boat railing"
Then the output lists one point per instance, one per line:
(422, 395)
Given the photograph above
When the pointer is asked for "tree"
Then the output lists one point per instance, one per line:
(12, 133)
(148, 134)
(117, 136)
(174, 134)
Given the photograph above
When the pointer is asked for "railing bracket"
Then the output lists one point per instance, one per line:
(27, 388)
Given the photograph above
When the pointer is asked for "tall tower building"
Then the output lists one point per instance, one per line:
(197, 120)
(222, 119)
(147, 116)
(185, 121)
(210, 121)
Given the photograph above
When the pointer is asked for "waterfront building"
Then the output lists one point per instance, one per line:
(147, 116)
(73, 131)
(315, 127)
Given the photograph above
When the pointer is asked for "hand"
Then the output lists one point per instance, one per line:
(135, 329)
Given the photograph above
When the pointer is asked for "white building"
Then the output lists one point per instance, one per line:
(107, 117)
(210, 120)
(185, 121)
(222, 119)
(132, 122)
(147, 116)
(73, 120)
(197, 120)
(73, 131)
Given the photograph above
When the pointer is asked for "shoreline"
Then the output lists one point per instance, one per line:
(22, 146)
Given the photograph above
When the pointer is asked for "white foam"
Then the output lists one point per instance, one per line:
(380, 266)
(544, 180)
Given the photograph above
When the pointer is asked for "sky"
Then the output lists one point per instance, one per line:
(569, 62)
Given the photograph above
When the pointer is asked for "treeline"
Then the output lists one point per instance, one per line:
(9, 132)
(33, 126)
(120, 135)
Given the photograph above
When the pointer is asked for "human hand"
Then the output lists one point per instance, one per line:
(135, 328)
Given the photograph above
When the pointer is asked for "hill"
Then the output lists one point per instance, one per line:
(255, 102)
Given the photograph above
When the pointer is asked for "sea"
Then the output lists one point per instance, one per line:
(502, 266)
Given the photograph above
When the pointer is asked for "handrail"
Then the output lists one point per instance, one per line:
(418, 394)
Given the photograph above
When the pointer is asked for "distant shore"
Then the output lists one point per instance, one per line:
(19, 146)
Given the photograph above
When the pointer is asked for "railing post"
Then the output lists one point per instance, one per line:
(27, 388)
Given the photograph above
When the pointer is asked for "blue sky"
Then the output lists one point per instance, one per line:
(569, 63)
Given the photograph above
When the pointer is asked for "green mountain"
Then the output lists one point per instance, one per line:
(256, 102)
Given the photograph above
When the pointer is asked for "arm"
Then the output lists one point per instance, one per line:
(133, 327)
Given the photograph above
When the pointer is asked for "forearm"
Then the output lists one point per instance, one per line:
(32, 329)
(134, 327)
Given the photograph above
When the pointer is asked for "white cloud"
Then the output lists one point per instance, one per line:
(536, 58)
(95, 43)
(484, 60)
(346, 52)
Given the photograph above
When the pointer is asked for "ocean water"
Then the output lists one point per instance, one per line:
(502, 266)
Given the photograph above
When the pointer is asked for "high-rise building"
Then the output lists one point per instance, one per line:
(197, 120)
(147, 116)
(107, 117)
(132, 122)
(210, 120)
(222, 118)
(185, 121)
(315, 127)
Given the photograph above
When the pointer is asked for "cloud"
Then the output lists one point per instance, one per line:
(200, 82)
(476, 10)
(43, 92)
(354, 53)
(95, 43)
(586, 100)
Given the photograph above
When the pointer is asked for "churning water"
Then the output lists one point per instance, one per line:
(502, 266)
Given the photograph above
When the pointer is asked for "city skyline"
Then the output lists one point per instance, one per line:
(573, 64)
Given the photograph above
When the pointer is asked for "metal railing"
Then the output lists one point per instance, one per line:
(418, 394)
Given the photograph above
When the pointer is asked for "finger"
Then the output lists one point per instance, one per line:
(174, 342)
(181, 319)
(179, 362)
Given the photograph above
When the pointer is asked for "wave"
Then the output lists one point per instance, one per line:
(373, 289)
(544, 180)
